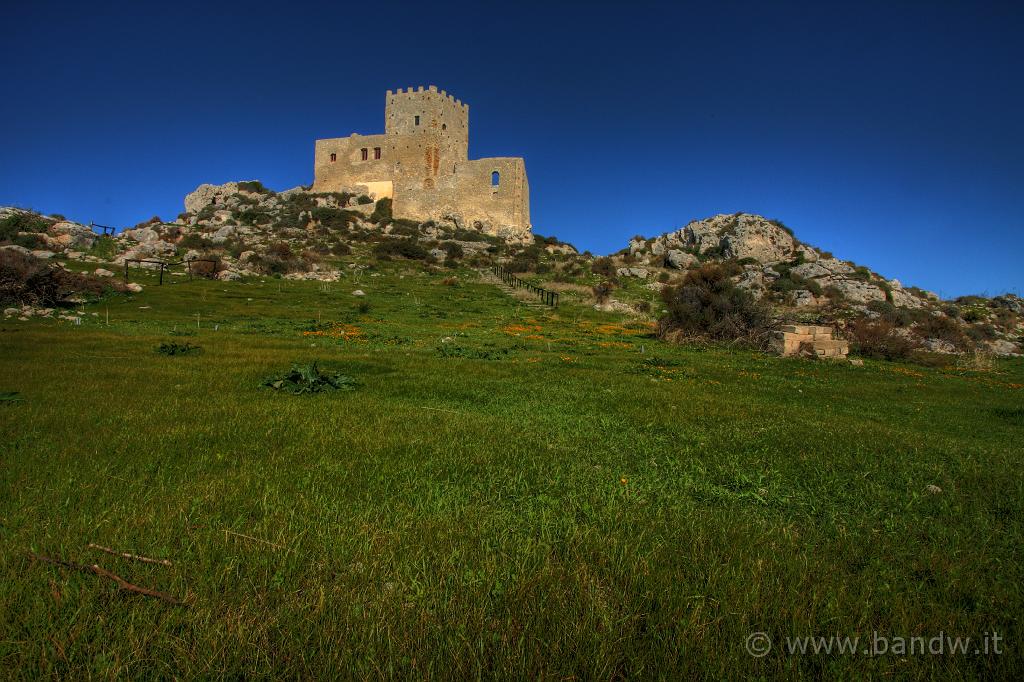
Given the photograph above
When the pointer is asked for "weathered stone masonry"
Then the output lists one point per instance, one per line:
(422, 162)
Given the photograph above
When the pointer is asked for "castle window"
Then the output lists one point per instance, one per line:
(417, 120)
(334, 157)
(365, 153)
(495, 178)
(444, 126)
(376, 152)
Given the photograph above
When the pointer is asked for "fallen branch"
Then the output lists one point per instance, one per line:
(103, 573)
(126, 555)
(249, 537)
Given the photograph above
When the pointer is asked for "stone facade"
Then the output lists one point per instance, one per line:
(422, 162)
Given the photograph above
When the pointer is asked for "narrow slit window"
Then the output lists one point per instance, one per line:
(444, 126)
(376, 152)
(417, 120)
(365, 153)
(334, 157)
(495, 178)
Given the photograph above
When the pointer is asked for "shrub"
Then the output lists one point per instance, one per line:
(334, 218)
(254, 216)
(254, 187)
(195, 240)
(155, 220)
(21, 222)
(603, 291)
(454, 250)
(879, 340)
(708, 304)
(173, 348)
(382, 211)
(363, 200)
(340, 249)
(404, 248)
(30, 281)
(663, 277)
(603, 266)
(943, 328)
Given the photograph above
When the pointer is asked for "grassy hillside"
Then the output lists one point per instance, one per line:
(510, 491)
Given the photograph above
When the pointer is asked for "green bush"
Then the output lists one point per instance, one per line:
(403, 248)
(454, 250)
(334, 218)
(21, 222)
(253, 186)
(174, 348)
(363, 200)
(382, 211)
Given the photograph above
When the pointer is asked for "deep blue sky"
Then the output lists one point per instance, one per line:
(888, 133)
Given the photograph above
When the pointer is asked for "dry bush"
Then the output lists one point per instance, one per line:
(27, 280)
(880, 340)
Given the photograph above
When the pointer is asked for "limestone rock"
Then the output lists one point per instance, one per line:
(858, 291)
(207, 194)
(1004, 348)
(133, 287)
(642, 273)
(680, 259)
(43, 254)
(100, 272)
(18, 249)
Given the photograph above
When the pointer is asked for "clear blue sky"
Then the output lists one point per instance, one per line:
(888, 133)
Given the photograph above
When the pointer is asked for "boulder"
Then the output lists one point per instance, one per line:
(229, 276)
(642, 273)
(71, 235)
(858, 291)
(439, 254)
(100, 272)
(133, 287)
(43, 254)
(18, 249)
(803, 298)
(1004, 348)
(224, 233)
(680, 259)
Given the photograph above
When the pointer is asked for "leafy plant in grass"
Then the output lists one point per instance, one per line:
(174, 348)
(7, 397)
(382, 211)
(309, 379)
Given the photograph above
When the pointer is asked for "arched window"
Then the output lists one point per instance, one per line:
(495, 178)
(444, 126)
(334, 157)
(365, 153)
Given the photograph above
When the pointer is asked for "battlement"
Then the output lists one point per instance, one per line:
(428, 90)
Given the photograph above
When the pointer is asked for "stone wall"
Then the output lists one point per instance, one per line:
(810, 340)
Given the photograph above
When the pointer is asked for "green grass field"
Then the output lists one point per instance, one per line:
(510, 492)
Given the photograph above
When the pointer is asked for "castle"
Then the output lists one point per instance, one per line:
(422, 163)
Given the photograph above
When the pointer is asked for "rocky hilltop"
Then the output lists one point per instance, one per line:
(248, 230)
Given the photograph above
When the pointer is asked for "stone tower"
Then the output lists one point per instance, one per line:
(422, 162)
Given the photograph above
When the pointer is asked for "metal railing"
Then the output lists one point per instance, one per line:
(546, 296)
